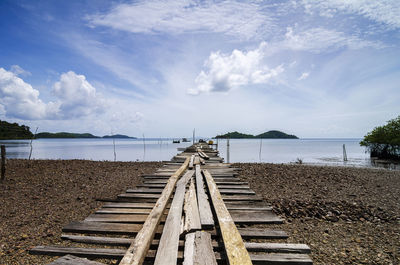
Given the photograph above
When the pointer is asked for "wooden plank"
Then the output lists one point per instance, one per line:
(157, 186)
(250, 246)
(239, 217)
(199, 249)
(125, 207)
(109, 253)
(191, 162)
(206, 216)
(137, 251)
(106, 253)
(217, 181)
(222, 190)
(72, 260)
(191, 210)
(168, 247)
(132, 229)
(234, 246)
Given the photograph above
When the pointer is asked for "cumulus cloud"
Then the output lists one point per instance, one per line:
(20, 100)
(241, 19)
(320, 39)
(227, 71)
(303, 76)
(75, 98)
(383, 11)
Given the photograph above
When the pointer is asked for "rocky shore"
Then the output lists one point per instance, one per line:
(346, 215)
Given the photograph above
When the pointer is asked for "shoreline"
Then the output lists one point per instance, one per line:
(39, 197)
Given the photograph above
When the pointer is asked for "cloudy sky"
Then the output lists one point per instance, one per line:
(161, 68)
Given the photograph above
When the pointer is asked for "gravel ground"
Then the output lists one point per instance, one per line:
(39, 197)
(346, 215)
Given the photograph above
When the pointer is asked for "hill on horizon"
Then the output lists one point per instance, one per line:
(273, 134)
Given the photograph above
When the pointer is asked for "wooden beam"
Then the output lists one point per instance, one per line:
(192, 217)
(72, 260)
(199, 249)
(136, 253)
(191, 162)
(206, 216)
(168, 247)
(235, 249)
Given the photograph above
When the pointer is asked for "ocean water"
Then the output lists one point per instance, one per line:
(309, 151)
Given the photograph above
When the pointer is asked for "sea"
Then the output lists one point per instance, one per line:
(305, 151)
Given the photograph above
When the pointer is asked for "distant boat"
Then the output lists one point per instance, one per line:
(176, 141)
(185, 140)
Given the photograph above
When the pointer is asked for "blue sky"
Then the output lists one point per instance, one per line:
(161, 68)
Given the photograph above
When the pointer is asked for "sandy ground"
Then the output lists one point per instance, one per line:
(346, 215)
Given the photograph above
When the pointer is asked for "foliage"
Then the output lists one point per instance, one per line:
(269, 135)
(65, 135)
(13, 131)
(234, 135)
(384, 141)
(276, 134)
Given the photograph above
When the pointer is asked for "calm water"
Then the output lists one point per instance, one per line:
(310, 151)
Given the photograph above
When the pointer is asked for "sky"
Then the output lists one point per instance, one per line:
(312, 68)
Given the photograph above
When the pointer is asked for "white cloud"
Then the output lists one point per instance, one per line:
(17, 70)
(321, 39)
(76, 97)
(20, 100)
(382, 11)
(303, 76)
(244, 20)
(227, 71)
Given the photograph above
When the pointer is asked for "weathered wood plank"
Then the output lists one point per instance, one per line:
(199, 249)
(234, 246)
(238, 216)
(137, 251)
(168, 247)
(107, 253)
(132, 229)
(72, 260)
(221, 190)
(206, 216)
(191, 210)
(250, 246)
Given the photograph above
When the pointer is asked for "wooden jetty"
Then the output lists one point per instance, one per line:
(192, 210)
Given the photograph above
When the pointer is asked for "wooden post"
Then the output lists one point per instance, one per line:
(3, 162)
(344, 153)
(227, 150)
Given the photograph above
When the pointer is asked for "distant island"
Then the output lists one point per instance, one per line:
(65, 135)
(119, 136)
(14, 131)
(79, 135)
(267, 135)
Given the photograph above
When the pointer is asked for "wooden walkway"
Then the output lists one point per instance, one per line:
(192, 210)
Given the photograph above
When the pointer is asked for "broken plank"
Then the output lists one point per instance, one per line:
(72, 260)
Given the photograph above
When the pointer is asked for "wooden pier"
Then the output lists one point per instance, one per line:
(192, 210)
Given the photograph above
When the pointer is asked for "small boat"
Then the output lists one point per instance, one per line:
(185, 140)
(176, 141)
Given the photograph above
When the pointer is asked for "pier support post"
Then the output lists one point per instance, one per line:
(3, 162)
